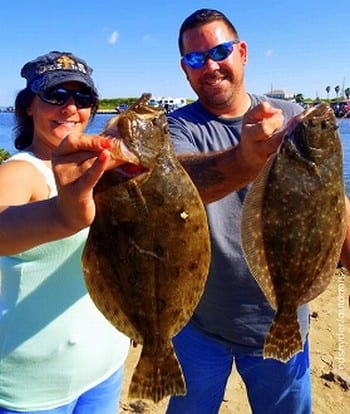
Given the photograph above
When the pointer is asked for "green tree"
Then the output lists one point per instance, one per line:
(347, 93)
(299, 98)
(328, 89)
(112, 103)
(337, 89)
(4, 155)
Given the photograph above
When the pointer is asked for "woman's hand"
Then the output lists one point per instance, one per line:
(78, 163)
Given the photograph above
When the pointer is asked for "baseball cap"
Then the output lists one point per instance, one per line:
(54, 68)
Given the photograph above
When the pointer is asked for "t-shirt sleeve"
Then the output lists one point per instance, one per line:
(181, 136)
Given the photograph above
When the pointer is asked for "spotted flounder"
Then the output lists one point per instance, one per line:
(147, 255)
(293, 223)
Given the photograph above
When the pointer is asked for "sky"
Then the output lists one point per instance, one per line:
(301, 46)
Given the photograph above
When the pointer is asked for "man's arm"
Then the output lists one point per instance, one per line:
(219, 173)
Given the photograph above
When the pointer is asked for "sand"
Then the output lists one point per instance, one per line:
(330, 360)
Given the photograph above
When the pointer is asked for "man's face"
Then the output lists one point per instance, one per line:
(217, 82)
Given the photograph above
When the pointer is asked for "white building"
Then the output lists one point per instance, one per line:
(168, 102)
(280, 94)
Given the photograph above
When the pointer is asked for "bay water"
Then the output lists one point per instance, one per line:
(7, 123)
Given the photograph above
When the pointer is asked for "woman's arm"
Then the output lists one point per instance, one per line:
(78, 163)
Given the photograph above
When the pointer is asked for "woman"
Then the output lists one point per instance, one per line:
(58, 354)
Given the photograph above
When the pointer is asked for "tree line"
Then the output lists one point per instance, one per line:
(299, 97)
(113, 103)
(337, 90)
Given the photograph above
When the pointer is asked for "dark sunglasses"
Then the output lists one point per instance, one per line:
(196, 60)
(60, 96)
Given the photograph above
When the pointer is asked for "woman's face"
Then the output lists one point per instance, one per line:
(52, 123)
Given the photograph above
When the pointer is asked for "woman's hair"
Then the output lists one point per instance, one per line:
(24, 126)
(201, 17)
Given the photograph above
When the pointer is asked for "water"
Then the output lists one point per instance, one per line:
(7, 122)
(344, 130)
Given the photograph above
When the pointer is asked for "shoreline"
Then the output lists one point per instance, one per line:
(107, 111)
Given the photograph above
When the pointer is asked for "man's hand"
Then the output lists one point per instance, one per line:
(260, 137)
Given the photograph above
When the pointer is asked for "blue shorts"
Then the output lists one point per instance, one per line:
(272, 386)
(102, 399)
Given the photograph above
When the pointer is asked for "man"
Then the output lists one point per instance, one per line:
(223, 140)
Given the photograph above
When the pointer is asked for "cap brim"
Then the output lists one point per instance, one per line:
(59, 77)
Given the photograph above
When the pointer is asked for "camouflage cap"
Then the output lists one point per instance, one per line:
(54, 68)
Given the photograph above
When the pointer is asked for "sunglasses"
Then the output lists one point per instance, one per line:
(196, 60)
(60, 96)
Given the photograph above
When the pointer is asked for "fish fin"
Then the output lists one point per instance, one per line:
(283, 339)
(251, 235)
(319, 285)
(156, 378)
(105, 294)
(327, 272)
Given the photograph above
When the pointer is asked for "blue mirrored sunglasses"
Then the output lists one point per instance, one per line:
(196, 60)
(60, 96)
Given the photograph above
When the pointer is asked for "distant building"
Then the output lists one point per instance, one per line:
(167, 102)
(280, 94)
(7, 109)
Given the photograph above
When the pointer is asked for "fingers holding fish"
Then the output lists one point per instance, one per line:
(119, 152)
(260, 136)
(262, 121)
(78, 163)
(91, 155)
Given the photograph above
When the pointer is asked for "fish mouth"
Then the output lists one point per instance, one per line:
(131, 170)
(320, 112)
(132, 166)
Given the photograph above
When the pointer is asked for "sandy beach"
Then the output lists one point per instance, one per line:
(330, 360)
(329, 351)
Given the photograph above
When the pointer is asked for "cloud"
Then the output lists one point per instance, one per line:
(113, 38)
(268, 52)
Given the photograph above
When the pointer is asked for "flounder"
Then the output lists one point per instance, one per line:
(293, 223)
(147, 255)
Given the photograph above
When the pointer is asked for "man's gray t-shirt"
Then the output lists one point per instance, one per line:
(232, 309)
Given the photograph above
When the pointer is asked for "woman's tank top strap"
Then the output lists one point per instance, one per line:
(41, 166)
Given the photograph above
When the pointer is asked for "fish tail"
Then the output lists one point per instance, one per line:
(155, 378)
(283, 339)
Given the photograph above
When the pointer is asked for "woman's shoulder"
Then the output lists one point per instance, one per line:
(31, 159)
(26, 178)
